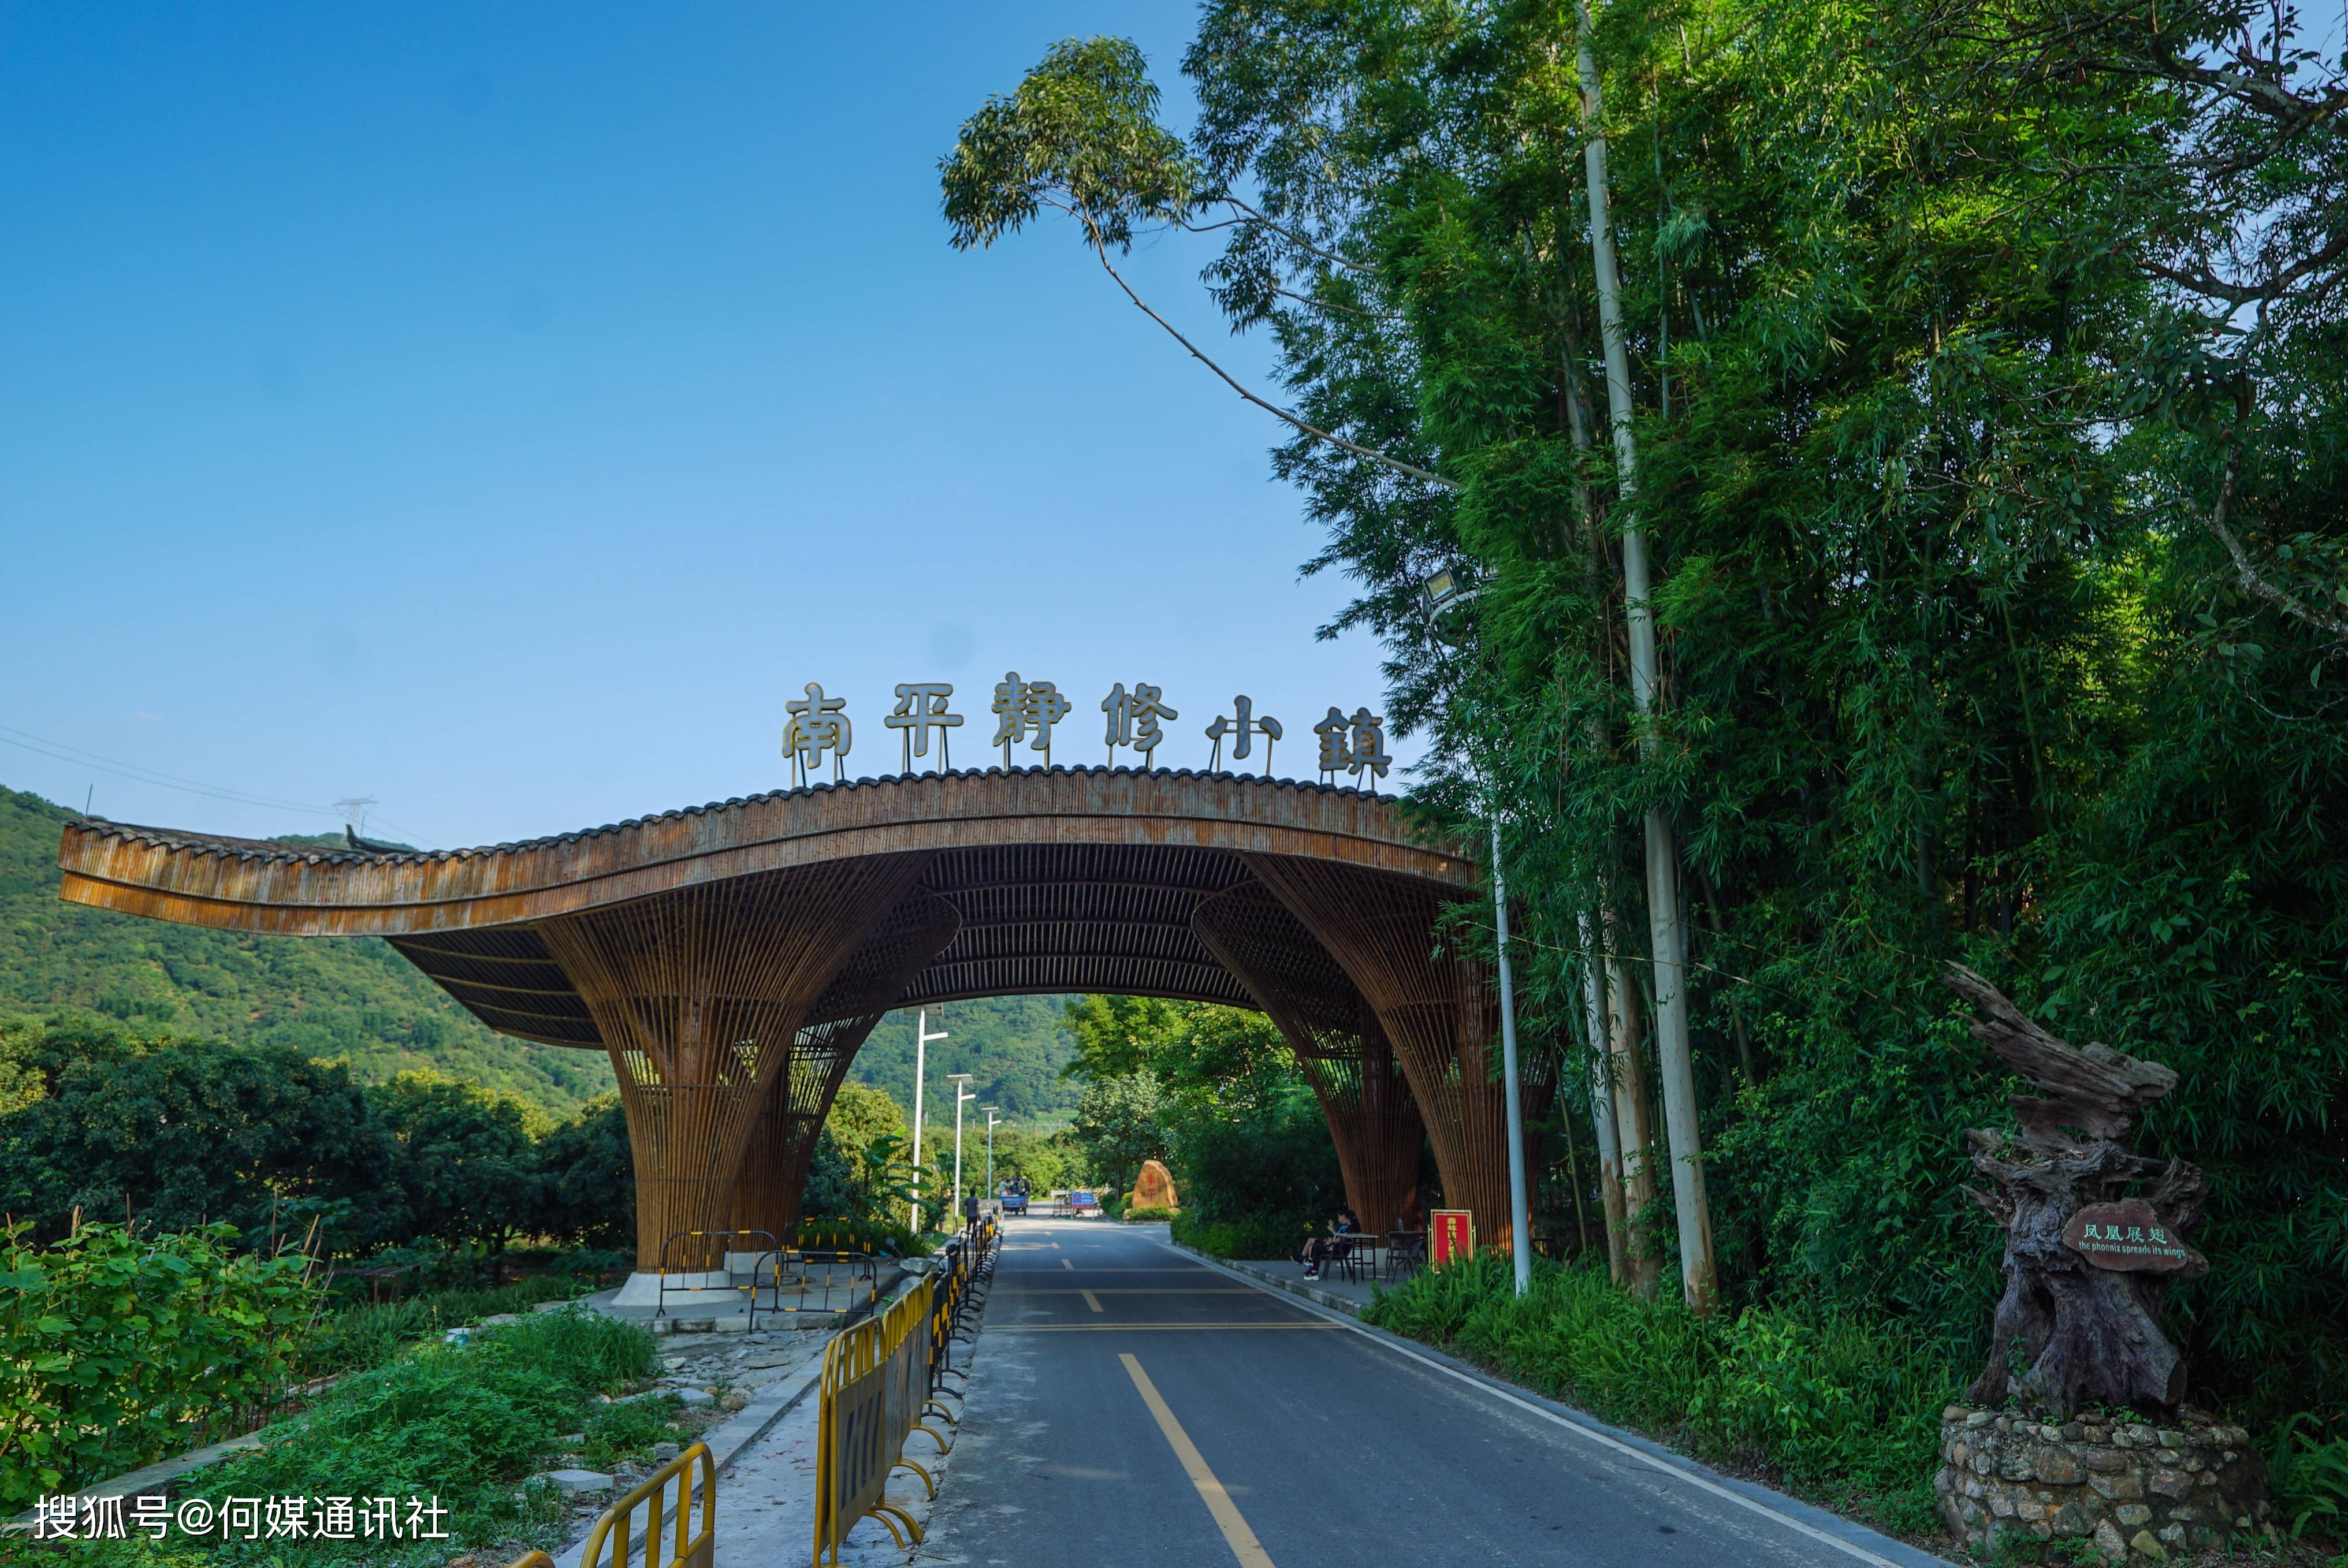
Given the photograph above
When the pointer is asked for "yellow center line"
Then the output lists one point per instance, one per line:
(1236, 1533)
(1090, 1299)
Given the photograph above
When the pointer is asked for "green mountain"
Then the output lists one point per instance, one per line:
(356, 998)
(1012, 1047)
(352, 998)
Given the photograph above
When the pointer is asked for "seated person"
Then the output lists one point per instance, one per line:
(1320, 1249)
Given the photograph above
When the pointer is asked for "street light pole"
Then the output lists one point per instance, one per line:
(921, 1038)
(1521, 1228)
(1443, 592)
(962, 1096)
(991, 1119)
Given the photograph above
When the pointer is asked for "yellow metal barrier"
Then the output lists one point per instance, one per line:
(876, 1380)
(532, 1560)
(694, 1553)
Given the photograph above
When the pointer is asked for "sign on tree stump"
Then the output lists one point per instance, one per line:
(2079, 1324)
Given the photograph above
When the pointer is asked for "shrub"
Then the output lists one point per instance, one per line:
(1138, 1216)
(2309, 1476)
(117, 1348)
(1259, 1237)
(1843, 1410)
(460, 1423)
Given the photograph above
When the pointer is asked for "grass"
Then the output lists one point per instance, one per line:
(1844, 1412)
(464, 1424)
(371, 1333)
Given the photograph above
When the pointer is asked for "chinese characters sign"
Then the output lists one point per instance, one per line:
(1026, 711)
(2129, 1238)
(1451, 1236)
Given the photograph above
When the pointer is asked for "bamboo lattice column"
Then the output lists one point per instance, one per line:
(790, 1118)
(1440, 1010)
(698, 994)
(1340, 1045)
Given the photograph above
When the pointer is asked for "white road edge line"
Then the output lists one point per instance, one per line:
(1849, 1547)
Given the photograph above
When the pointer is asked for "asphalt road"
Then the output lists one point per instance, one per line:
(1135, 1407)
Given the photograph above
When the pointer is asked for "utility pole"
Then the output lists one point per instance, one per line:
(962, 1096)
(1440, 594)
(1520, 1227)
(921, 1038)
(1699, 1277)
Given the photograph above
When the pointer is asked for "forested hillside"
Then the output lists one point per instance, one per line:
(359, 1000)
(352, 999)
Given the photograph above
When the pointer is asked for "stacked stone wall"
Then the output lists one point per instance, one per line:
(2136, 1489)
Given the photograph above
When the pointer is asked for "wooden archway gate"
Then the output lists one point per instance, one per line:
(731, 958)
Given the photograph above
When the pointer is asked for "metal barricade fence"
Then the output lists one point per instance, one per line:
(693, 1551)
(766, 1259)
(874, 1392)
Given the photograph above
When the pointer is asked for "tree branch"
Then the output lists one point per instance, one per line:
(1285, 234)
(1100, 248)
(2247, 573)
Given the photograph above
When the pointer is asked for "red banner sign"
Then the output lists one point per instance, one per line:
(1451, 1236)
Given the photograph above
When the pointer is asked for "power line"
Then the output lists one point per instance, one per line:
(63, 753)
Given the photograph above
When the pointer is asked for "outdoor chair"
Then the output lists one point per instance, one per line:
(1404, 1259)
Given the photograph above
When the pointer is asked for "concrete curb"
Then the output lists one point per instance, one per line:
(752, 1420)
(1829, 1529)
(1328, 1298)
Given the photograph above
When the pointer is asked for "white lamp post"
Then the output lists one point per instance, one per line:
(991, 1119)
(921, 1038)
(962, 1096)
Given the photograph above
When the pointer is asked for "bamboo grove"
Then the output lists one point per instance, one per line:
(1979, 412)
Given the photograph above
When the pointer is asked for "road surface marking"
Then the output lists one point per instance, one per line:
(1068, 1263)
(1236, 1533)
(1666, 1465)
(1011, 1295)
(1129, 1327)
(1090, 1299)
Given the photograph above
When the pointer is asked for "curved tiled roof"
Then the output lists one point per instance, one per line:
(1064, 878)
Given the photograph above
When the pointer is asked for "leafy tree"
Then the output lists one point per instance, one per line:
(1119, 1124)
(587, 1178)
(469, 1164)
(1986, 369)
(1045, 1161)
(173, 1135)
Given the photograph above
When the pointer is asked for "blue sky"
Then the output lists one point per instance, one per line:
(502, 411)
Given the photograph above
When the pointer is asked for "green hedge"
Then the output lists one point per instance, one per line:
(1256, 1235)
(1846, 1412)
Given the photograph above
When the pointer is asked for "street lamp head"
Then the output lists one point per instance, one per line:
(1441, 598)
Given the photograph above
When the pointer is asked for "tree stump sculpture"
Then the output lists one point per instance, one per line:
(2092, 1232)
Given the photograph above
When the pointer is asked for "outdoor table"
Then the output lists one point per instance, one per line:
(1365, 1250)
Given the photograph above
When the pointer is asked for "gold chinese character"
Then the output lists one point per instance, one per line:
(1133, 720)
(920, 708)
(818, 726)
(1024, 705)
(1243, 727)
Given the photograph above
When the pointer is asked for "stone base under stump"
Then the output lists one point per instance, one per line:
(2138, 1490)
